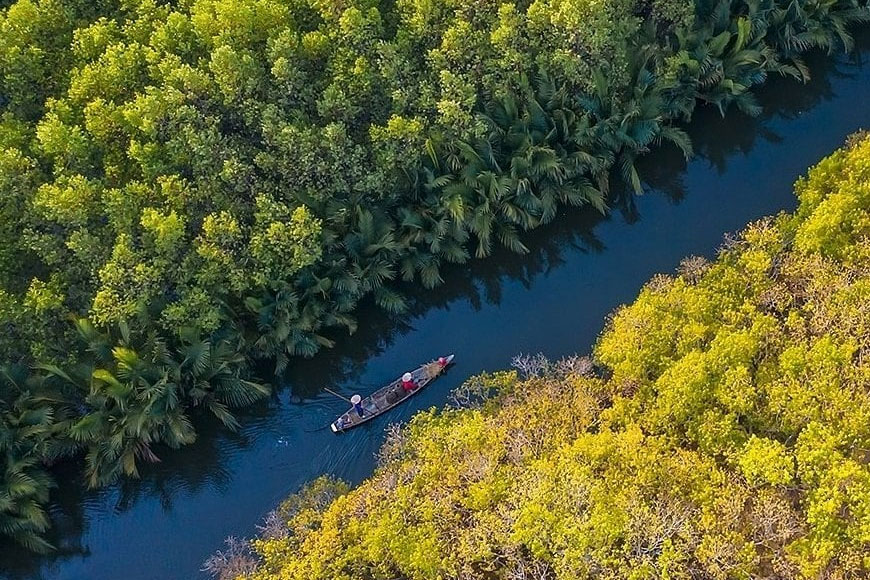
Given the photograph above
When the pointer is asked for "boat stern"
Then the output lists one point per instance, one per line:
(334, 428)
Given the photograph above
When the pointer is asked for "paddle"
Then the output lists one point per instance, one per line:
(331, 392)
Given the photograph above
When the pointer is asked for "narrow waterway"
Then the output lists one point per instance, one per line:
(553, 300)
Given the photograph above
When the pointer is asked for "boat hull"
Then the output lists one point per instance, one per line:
(390, 396)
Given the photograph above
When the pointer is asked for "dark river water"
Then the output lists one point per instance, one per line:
(553, 300)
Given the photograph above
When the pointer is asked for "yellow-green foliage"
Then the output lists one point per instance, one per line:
(729, 441)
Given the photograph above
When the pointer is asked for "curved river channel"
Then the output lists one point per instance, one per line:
(553, 300)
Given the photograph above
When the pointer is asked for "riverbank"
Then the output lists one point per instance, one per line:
(728, 438)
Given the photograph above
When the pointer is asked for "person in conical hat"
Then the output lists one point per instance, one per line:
(408, 382)
(356, 401)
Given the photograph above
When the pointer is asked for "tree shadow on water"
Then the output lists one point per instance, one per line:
(716, 138)
(201, 465)
(479, 282)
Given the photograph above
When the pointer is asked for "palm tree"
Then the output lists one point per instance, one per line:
(28, 424)
(797, 26)
(290, 318)
(536, 155)
(212, 373)
(724, 55)
(628, 123)
(431, 229)
(140, 392)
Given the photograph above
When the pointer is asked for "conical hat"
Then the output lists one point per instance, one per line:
(407, 377)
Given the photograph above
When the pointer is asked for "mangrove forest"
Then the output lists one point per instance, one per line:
(197, 194)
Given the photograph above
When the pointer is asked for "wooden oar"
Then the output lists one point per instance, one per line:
(331, 392)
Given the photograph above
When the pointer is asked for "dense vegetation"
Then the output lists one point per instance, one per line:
(201, 183)
(725, 435)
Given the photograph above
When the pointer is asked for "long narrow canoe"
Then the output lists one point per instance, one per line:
(388, 397)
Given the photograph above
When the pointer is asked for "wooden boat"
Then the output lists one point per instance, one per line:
(388, 397)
